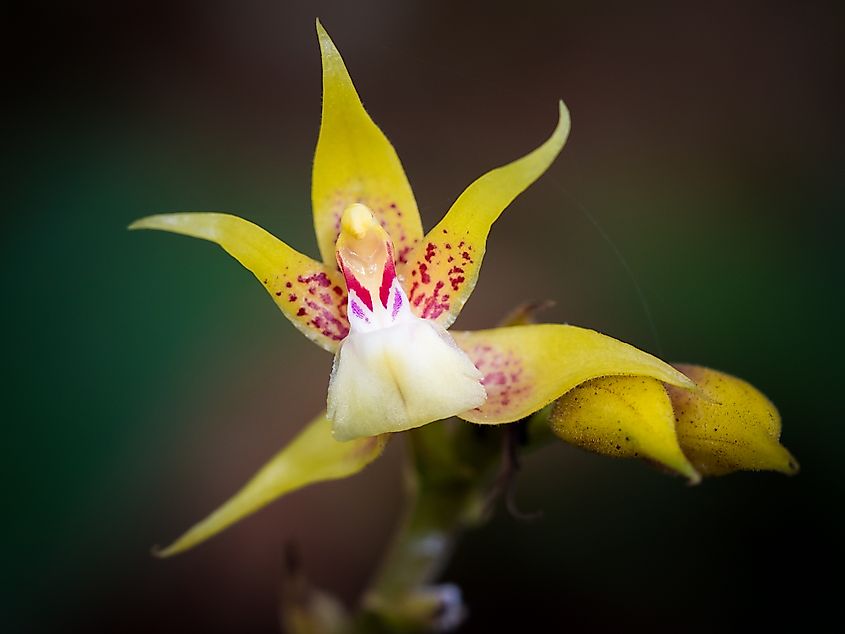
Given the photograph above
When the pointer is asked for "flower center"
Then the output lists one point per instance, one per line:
(394, 371)
(365, 256)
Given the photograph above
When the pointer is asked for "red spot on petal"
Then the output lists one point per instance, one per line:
(403, 253)
(430, 251)
(320, 278)
(424, 276)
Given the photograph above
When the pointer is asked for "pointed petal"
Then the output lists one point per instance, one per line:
(623, 417)
(313, 456)
(527, 367)
(442, 270)
(731, 427)
(355, 163)
(311, 295)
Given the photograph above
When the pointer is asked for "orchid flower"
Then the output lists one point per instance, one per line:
(382, 298)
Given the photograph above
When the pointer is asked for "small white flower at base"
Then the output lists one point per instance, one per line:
(394, 371)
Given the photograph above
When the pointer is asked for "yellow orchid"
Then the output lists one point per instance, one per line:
(383, 297)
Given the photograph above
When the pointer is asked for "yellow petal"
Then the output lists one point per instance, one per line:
(313, 456)
(527, 367)
(355, 163)
(731, 427)
(442, 270)
(624, 417)
(310, 294)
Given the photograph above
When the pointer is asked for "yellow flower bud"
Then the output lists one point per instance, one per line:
(624, 417)
(728, 426)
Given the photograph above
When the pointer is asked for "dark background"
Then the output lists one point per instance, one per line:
(145, 375)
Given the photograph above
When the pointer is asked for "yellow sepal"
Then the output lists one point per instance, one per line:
(623, 417)
(355, 163)
(441, 272)
(311, 295)
(728, 425)
(527, 367)
(313, 456)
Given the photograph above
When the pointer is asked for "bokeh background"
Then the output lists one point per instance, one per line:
(147, 375)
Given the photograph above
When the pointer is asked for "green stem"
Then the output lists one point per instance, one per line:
(449, 484)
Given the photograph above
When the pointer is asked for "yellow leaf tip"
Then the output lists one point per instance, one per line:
(563, 111)
(158, 552)
(323, 36)
(168, 551)
(790, 466)
(151, 222)
(693, 477)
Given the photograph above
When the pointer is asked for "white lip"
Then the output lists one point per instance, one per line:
(400, 377)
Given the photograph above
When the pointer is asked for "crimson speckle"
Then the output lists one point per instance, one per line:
(424, 276)
(278, 293)
(430, 251)
(502, 376)
(291, 297)
(320, 278)
(301, 312)
(403, 253)
(435, 304)
(494, 378)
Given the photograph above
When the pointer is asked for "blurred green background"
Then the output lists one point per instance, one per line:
(148, 376)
